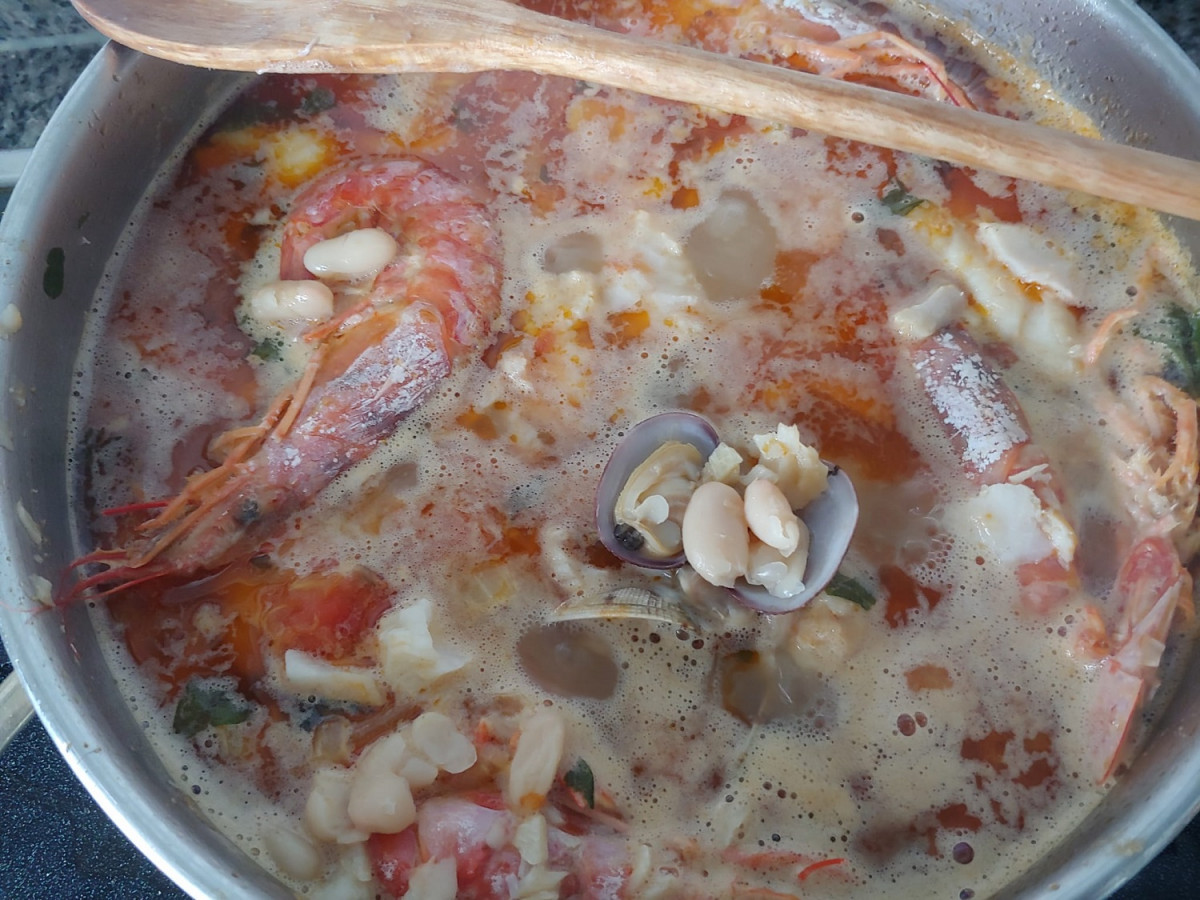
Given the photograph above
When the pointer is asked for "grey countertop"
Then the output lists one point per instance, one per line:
(54, 841)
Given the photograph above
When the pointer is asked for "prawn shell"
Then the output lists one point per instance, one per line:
(641, 441)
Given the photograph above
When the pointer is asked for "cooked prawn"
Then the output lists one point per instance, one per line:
(987, 428)
(371, 365)
(796, 41)
(1151, 586)
(1161, 478)
(1162, 473)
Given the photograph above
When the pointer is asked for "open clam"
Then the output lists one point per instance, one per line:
(649, 482)
(655, 459)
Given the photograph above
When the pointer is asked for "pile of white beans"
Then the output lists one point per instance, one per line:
(348, 258)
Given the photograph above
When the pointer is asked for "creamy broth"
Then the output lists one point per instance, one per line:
(929, 734)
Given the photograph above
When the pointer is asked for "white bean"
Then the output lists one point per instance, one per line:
(355, 254)
(418, 772)
(535, 761)
(434, 879)
(436, 736)
(382, 805)
(380, 800)
(770, 516)
(293, 853)
(287, 301)
(716, 541)
(325, 812)
(532, 840)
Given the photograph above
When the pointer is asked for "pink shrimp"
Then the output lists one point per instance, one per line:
(478, 831)
(369, 367)
(986, 426)
(1151, 585)
(793, 40)
(987, 429)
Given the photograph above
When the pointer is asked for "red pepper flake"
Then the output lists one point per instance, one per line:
(134, 507)
(822, 864)
(1036, 774)
(988, 749)
(906, 598)
(959, 818)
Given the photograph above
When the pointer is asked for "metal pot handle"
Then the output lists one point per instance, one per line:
(15, 708)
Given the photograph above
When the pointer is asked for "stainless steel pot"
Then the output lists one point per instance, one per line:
(128, 119)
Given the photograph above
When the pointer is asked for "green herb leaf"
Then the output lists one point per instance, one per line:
(581, 780)
(245, 114)
(206, 705)
(1178, 332)
(317, 101)
(268, 349)
(899, 200)
(54, 278)
(848, 589)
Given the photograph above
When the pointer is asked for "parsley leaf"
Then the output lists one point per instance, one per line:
(848, 589)
(581, 780)
(317, 101)
(204, 705)
(899, 200)
(1178, 332)
(268, 349)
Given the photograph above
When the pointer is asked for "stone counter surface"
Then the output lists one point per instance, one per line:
(54, 841)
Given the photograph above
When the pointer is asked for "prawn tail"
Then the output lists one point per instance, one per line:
(1152, 585)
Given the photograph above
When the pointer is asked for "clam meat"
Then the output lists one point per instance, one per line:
(655, 497)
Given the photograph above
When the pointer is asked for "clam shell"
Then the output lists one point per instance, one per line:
(642, 440)
(669, 606)
(831, 519)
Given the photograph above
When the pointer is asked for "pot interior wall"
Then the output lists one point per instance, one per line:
(124, 120)
(128, 118)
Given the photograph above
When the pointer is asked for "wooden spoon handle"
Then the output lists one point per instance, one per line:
(938, 130)
(477, 35)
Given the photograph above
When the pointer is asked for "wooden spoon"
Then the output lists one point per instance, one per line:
(477, 35)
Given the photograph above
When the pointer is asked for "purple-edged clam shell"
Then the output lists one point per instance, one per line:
(831, 519)
(643, 439)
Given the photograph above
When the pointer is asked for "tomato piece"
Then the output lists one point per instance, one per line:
(464, 828)
(325, 614)
(393, 857)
